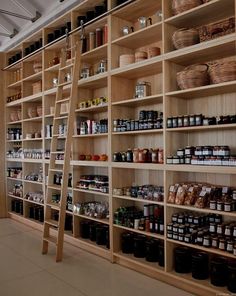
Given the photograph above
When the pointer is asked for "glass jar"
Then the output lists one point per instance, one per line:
(136, 155)
(189, 150)
(142, 89)
(215, 242)
(180, 152)
(129, 155)
(192, 120)
(206, 241)
(229, 246)
(186, 121)
(154, 156)
(212, 205)
(220, 229)
(198, 119)
(169, 122)
(227, 206)
(180, 121)
(198, 151)
(160, 156)
(222, 244)
(176, 160)
(174, 122)
(169, 160)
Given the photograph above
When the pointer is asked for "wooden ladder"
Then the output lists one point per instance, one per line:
(53, 230)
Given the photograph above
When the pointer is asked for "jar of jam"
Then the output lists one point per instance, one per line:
(206, 241)
(175, 236)
(220, 205)
(174, 218)
(228, 230)
(190, 219)
(215, 242)
(169, 123)
(187, 159)
(187, 238)
(198, 151)
(154, 156)
(207, 151)
(170, 234)
(192, 120)
(218, 219)
(200, 238)
(212, 204)
(129, 155)
(212, 228)
(136, 155)
(229, 246)
(169, 160)
(176, 160)
(224, 151)
(222, 244)
(174, 122)
(198, 119)
(181, 229)
(180, 152)
(180, 121)
(175, 228)
(220, 229)
(170, 227)
(227, 206)
(186, 121)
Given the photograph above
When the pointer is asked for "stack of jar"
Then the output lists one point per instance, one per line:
(14, 97)
(36, 212)
(206, 230)
(17, 190)
(36, 177)
(14, 173)
(198, 120)
(147, 120)
(16, 152)
(95, 39)
(203, 196)
(203, 155)
(33, 153)
(17, 206)
(89, 127)
(151, 219)
(14, 134)
(57, 180)
(36, 196)
(99, 210)
(140, 156)
(147, 192)
(142, 247)
(94, 183)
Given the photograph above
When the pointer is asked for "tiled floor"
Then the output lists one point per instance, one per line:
(25, 272)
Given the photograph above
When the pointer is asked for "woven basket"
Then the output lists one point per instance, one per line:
(39, 111)
(185, 37)
(179, 6)
(222, 72)
(218, 29)
(193, 76)
(32, 112)
(14, 116)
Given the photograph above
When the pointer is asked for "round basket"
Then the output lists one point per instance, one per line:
(32, 112)
(222, 72)
(126, 59)
(185, 37)
(179, 6)
(14, 116)
(193, 76)
(39, 111)
(37, 67)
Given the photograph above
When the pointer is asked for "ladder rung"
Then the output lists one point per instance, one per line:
(63, 101)
(56, 187)
(66, 67)
(60, 117)
(54, 206)
(59, 136)
(56, 170)
(64, 84)
(50, 239)
(51, 222)
(57, 152)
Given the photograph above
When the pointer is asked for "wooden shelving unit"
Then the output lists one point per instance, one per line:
(118, 85)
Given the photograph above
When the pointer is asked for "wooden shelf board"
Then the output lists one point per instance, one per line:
(53, 68)
(103, 221)
(34, 202)
(90, 192)
(13, 196)
(32, 160)
(208, 250)
(16, 84)
(94, 109)
(14, 159)
(201, 169)
(139, 200)
(140, 69)
(31, 98)
(205, 91)
(203, 14)
(15, 66)
(33, 77)
(139, 132)
(91, 135)
(89, 163)
(158, 236)
(205, 51)
(141, 262)
(14, 122)
(33, 182)
(95, 81)
(141, 37)
(202, 128)
(38, 118)
(33, 56)
(205, 210)
(132, 11)
(32, 140)
(153, 99)
(96, 54)
(14, 179)
(13, 141)
(141, 166)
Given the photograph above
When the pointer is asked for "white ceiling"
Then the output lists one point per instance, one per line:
(48, 9)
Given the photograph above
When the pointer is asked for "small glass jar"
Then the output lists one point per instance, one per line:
(198, 119)
(212, 228)
(169, 122)
(187, 238)
(170, 227)
(174, 218)
(169, 160)
(220, 205)
(186, 121)
(180, 152)
(212, 204)
(206, 241)
(181, 229)
(230, 246)
(220, 229)
(181, 237)
(228, 230)
(174, 122)
(175, 228)
(175, 236)
(227, 206)
(136, 155)
(222, 244)
(192, 120)
(161, 156)
(142, 89)
(176, 160)
(198, 151)
(218, 219)
(180, 121)
(200, 238)
(170, 234)
(180, 219)
(215, 242)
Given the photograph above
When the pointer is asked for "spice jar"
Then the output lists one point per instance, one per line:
(214, 242)
(206, 241)
(186, 121)
(222, 244)
(192, 120)
(129, 155)
(227, 206)
(155, 156)
(169, 160)
(229, 246)
(142, 89)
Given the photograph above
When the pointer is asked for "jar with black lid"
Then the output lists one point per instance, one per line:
(174, 122)
(189, 150)
(218, 271)
(180, 121)
(170, 227)
(187, 238)
(176, 160)
(231, 285)
(233, 119)
(220, 229)
(174, 218)
(152, 250)
(129, 155)
(180, 152)
(175, 228)
(182, 260)
(222, 244)
(206, 241)
(170, 234)
(198, 119)
(186, 121)
(229, 246)
(218, 219)
(200, 270)
(198, 151)
(200, 238)
(169, 160)
(228, 231)
(212, 204)
(207, 151)
(192, 121)
(169, 122)
(215, 242)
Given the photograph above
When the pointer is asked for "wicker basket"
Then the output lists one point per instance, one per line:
(193, 76)
(222, 71)
(14, 116)
(19, 114)
(218, 29)
(39, 111)
(185, 37)
(179, 6)
(32, 112)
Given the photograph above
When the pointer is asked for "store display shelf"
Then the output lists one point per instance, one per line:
(150, 234)
(15, 179)
(14, 196)
(16, 84)
(203, 14)
(205, 51)
(204, 249)
(90, 192)
(33, 202)
(141, 37)
(38, 118)
(140, 262)
(139, 200)
(31, 98)
(139, 132)
(202, 128)
(204, 91)
(93, 109)
(33, 77)
(91, 135)
(90, 163)
(103, 221)
(95, 81)
(204, 210)
(33, 182)
(96, 54)
(135, 102)
(141, 166)
(201, 169)
(148, 67)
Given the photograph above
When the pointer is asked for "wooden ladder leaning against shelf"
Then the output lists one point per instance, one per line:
(50, 224)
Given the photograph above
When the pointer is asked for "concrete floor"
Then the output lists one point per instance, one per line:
(25, 272)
